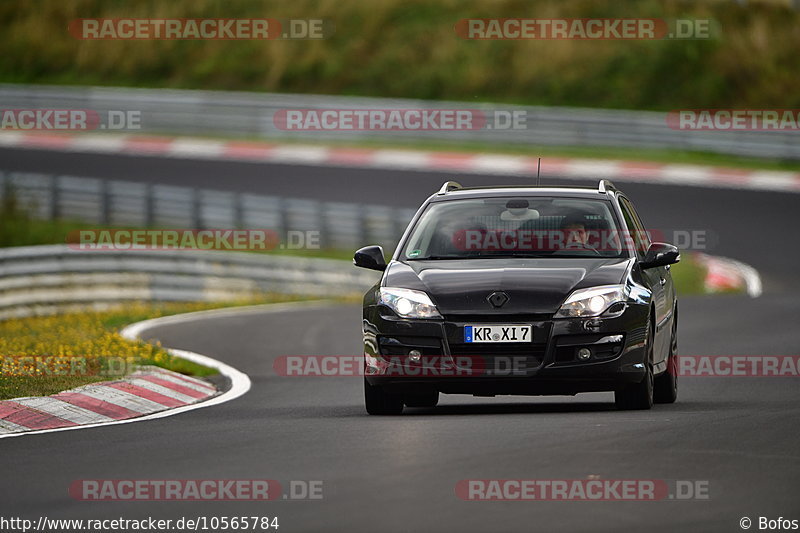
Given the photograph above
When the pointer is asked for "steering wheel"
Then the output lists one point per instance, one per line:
(582, 246)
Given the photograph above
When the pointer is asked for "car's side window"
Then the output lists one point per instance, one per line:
(637, 232)
(644, 235)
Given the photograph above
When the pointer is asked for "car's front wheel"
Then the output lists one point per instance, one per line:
(380, 402)
(639, 395)
(666, 385)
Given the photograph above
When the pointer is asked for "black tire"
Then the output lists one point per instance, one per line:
(422, 399)
(638, 396)
(380, 402)
(666, 385)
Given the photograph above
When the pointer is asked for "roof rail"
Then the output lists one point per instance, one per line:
(449, 186)
(605, 186)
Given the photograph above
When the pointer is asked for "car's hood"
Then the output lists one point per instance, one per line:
(532, 285)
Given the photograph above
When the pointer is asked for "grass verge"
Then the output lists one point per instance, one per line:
(46, 355)
(689, 275)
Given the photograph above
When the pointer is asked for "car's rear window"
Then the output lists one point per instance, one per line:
(515, 226)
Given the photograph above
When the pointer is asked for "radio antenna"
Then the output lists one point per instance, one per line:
(538, 173)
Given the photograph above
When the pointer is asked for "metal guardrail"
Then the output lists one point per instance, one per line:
(56, 278)
(120, 203)
(245, 114)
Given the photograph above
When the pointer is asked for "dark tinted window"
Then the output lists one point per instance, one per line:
(515, 226)
(641, 241)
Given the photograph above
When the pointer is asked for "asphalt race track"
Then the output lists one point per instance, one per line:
(740, 435)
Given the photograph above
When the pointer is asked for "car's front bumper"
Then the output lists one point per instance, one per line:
(548, 365)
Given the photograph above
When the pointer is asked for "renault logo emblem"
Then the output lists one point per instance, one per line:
(497, 299)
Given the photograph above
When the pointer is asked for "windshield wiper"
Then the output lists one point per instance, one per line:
(519, 256)
(478, 256)
(435, 258)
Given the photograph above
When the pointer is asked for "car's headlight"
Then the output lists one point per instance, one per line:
(592, 301)
(408, 303)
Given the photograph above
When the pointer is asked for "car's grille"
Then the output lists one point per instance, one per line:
(518, 356)
(497, 318)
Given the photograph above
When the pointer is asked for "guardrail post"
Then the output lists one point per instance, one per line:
(4, 188)
(238, 210)
(363, 232)
(329, 226)
(284, 218)
(323, 224)
(398, 225)
(55, 198)
(149, 201)
(105, 202)
(197, 210)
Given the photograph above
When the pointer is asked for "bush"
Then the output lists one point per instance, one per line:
(408, 48)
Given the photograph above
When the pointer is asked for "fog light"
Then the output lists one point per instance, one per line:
(415, 355)
(584, 354)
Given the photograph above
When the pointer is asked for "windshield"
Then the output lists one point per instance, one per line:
(515, 227)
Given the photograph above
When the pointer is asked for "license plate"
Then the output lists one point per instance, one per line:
(498, 333)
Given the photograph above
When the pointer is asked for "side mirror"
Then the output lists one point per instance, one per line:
(370, 257)
(660, 254)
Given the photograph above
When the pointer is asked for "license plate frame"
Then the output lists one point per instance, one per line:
(498, 333)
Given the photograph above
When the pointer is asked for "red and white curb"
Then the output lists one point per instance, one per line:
(725, 274)
(145, 395)
(146, 391)
(79, 416)
(479, 163)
